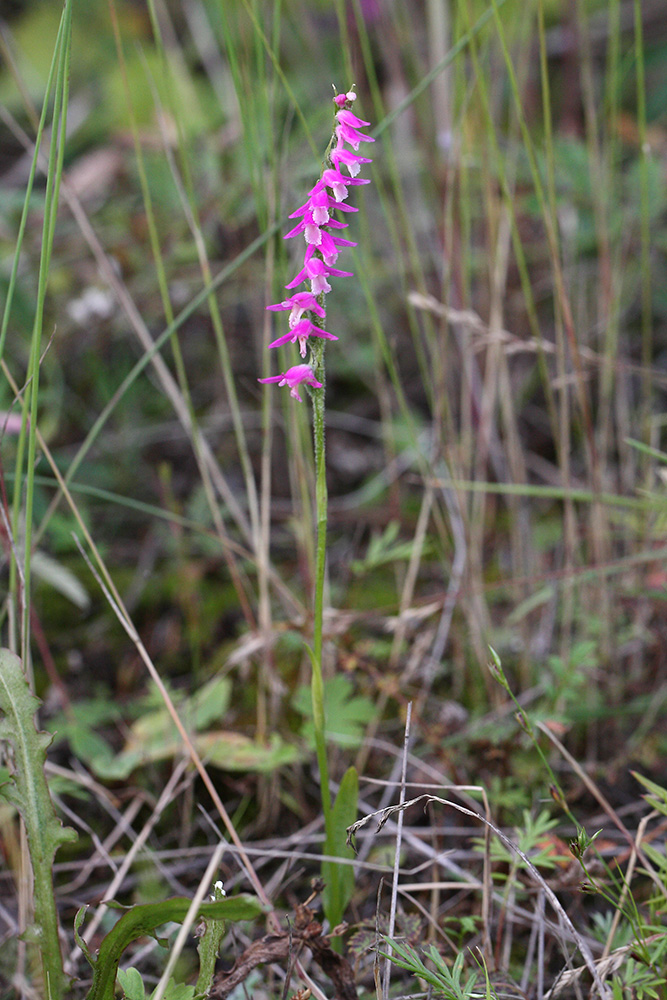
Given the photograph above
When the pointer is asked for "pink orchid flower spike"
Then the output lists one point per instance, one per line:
(316, 222)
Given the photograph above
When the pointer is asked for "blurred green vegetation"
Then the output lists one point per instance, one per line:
(495, 446)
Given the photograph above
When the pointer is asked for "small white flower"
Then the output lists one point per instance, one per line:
(217, 888)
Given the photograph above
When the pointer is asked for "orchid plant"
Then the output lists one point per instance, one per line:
(319, 227)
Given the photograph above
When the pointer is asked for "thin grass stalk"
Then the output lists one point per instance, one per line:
(266, 200)
(214, 312)
(479, 409)
(462, 278)
(51, 956)
(562, 428)
(39, 132)
(264, 538)
(627, 475)
(54, 174)
(605, 320)
(519, 252)
(601, 190)
(16, 581)
(397, 856)
(14, 578)
(242, 86)
(269, 205)
(506, 392)
(582, 395)
(169, 315)
(644, 230)
(259, 119)
(448, 146)
(150, 353)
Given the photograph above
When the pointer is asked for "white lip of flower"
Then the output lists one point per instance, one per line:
(217, 887)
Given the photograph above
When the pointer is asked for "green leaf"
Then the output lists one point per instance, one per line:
(226, 750)
(132, 984)
(61, 579)
(383, 549)
(78, 920)
(177, 991)
(339, 879)
(347, 715)
(28, 791)
(236, 752)
(154, 737)
(211, 702)
(145, 919)
(658, 800)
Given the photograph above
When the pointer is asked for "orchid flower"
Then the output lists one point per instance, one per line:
(300, 332)
(294, 377)
(316, 221)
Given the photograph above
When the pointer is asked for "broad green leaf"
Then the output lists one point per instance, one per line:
(155, 737)
(235, 752)
(132, 984)
(226, 750)
(339, 879)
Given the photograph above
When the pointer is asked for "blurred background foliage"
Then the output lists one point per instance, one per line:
(496, 431)
(225, 104)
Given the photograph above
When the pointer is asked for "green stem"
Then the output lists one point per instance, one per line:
(321, 503)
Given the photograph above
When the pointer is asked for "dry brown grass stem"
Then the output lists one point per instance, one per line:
(397, 854)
